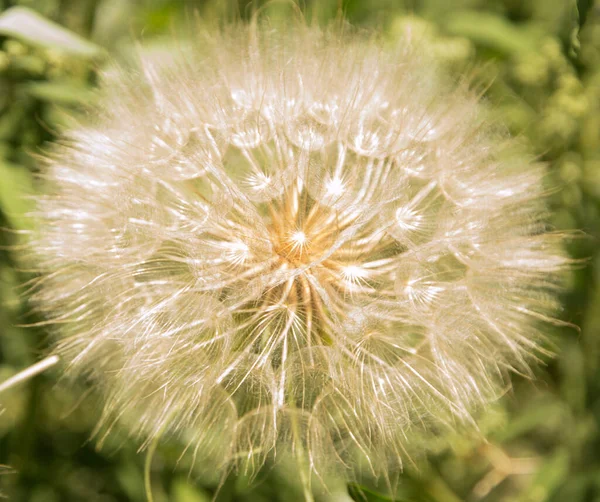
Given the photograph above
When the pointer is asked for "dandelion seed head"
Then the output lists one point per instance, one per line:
(300, 242)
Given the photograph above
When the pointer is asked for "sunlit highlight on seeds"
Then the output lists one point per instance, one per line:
(294, 243)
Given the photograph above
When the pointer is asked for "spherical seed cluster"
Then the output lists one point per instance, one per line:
(296, 242)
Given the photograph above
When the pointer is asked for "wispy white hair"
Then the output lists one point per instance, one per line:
(298, 242)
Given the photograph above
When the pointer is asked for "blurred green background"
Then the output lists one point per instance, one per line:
(540, 61)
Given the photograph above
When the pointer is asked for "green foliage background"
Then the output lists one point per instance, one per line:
(541, 61)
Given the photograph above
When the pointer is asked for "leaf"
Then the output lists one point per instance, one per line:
(544, 413)
(184, 491)
(60, 92)
(583, 9)
(550, 476)
(408, 491)
(573, 25)
(363, 494)
(491, 31)
(15, 187)
(29, 26)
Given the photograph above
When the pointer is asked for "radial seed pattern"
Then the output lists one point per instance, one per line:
(295, 242)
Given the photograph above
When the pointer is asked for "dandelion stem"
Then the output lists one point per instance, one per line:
(147, 468)
(29, 372)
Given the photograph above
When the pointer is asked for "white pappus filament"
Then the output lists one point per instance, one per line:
(300, 242)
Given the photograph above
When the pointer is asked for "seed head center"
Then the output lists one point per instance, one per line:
(301, 229)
